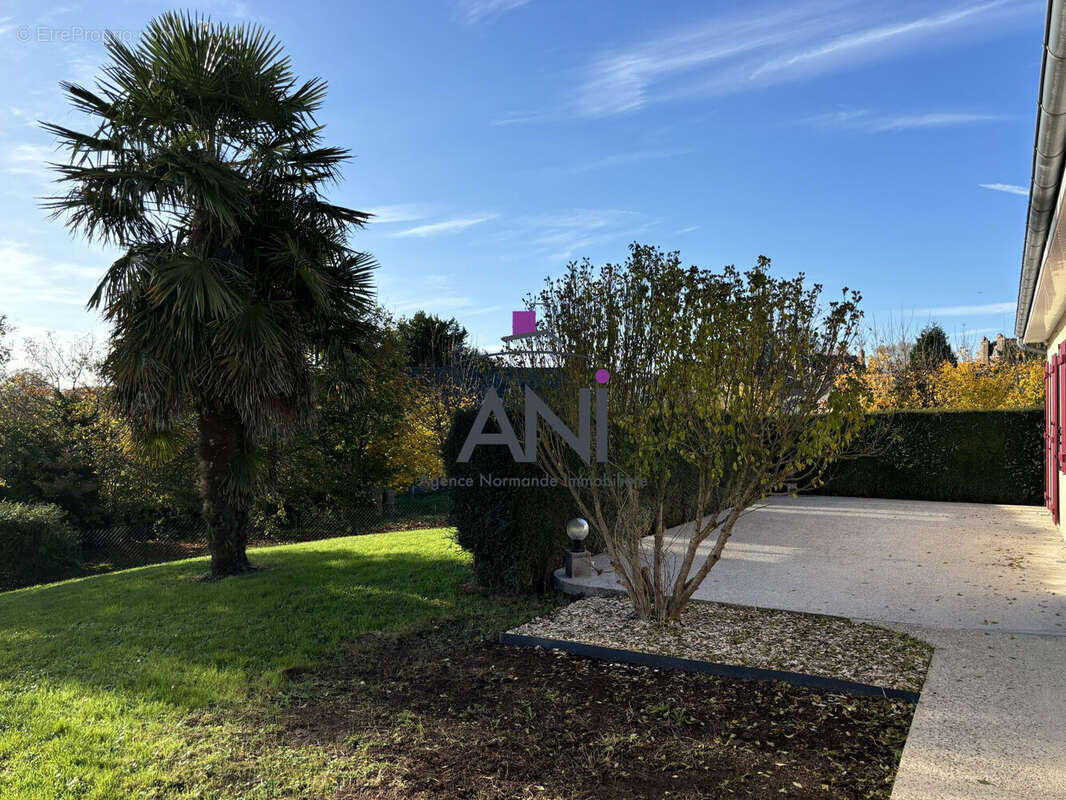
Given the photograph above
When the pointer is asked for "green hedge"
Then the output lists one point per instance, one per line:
(37, 545)
(517, 535)
(968, 456)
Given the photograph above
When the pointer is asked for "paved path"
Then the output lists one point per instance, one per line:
(991, 723)
(985, 584)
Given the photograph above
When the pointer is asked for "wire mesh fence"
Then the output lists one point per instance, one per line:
(124, 546)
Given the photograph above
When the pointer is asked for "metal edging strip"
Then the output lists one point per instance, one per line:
(708, 667)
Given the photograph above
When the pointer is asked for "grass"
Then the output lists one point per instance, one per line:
(360, 668)
(114, 549)
(148, 683)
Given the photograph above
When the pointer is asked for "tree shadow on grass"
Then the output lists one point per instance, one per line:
(146, 679)
(154, 634)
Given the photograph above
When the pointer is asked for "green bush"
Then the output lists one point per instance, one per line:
(967, 456)
(37, 545)
(517, 534)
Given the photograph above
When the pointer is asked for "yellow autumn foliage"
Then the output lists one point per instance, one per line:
(881, 379)
(968, 385)
(1000, 385)
(414, 450)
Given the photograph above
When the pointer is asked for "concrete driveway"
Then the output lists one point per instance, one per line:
(985, 584)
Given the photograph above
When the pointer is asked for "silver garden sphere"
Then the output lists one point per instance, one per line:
(577, 529)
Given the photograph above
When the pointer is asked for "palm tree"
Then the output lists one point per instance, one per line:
(205, 166)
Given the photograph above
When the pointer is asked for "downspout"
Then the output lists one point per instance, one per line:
(1049, 154)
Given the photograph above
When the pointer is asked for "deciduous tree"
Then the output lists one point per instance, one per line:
(732, 376)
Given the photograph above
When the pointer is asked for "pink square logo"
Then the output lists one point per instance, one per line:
(523, 322)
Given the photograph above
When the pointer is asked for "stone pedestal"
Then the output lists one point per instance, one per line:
(578, 564)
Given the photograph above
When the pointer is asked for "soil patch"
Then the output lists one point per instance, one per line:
(445, 713)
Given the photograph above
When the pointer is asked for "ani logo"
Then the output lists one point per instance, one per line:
(524, 327)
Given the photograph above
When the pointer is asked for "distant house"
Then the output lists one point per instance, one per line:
(987, 353)
(1041, 315)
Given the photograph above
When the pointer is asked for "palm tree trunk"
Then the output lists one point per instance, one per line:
(222, 443)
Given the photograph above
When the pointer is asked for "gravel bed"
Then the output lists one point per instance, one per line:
(753, 637)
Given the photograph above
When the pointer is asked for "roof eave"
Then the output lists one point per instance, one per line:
(1049, 156)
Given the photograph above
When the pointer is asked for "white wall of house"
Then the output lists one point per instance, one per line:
(1057, 337)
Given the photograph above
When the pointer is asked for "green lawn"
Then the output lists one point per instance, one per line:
(148, 683)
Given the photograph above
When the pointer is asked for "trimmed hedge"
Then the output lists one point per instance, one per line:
(517, 534)
(37, 545)
(967, 456)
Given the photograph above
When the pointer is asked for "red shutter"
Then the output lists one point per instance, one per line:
(1053, 403)
(1047, 436)
(1060, 416)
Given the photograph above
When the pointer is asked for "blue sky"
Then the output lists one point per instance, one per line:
(882, 146)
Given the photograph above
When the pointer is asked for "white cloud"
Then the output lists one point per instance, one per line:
(28, 154)
(727, 53)
(31, 160)
(559, 237)
(433, 304)
(401, 212)
(622, 159)
(1009, 188)
(26, 116)
(435, 293)
(903, 122)
(474, 11)
(977, 332)
(862, 42)
(689, 229)
(1006, 306)
(448, 305)
(863, 120)
(551, 239)
(448, 226)
(31, 279)
(41, 294)
(522, 117)
(833, 119)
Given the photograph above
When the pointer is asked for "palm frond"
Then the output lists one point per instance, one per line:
(202, 159)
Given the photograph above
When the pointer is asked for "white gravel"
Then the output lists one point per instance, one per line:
(753, 637)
